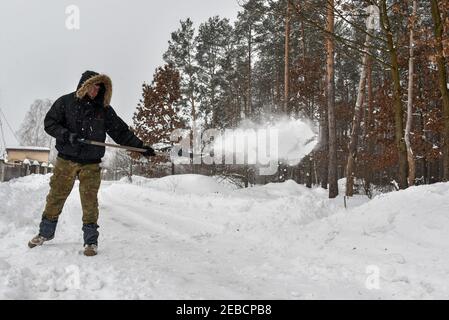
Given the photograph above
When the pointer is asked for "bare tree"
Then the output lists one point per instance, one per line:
(31, 132)
(352, 154)
(121, 165)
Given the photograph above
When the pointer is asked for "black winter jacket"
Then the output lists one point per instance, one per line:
(90, 119)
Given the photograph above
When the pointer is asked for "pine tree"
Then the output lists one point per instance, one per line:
(248, 35)
(181, 54)
(211, 51)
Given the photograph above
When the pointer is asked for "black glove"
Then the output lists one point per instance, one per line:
(71, 138)
(149, 153)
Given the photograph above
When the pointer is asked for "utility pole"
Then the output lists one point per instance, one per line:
(2, 140)
(2, 153)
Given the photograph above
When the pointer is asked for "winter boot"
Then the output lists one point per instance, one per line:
(90, 239)
(47, 228)
(46, 232)
(90, 250)
(37, 241)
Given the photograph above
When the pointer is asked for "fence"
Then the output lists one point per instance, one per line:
(12, 171)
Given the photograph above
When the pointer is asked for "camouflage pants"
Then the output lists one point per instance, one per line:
(61, 184)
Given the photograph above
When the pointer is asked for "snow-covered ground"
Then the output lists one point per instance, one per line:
(190, 237)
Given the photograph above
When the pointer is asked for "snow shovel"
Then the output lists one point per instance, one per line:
(112, 145)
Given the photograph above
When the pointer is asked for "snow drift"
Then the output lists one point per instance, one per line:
(191, 237)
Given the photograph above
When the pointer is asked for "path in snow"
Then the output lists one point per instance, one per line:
(188, 237)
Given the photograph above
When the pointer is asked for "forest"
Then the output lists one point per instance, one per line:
(371, 74)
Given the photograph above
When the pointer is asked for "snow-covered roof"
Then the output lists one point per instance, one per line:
(28, 148)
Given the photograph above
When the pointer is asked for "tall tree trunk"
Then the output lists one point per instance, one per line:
(250, 83)
(287, 58)
(193, 115)
(442, 80)
(370, 125)
(352, 154)
(324, 154)
(192, 104)
(397, 103)
(278, 94)
(330, 93)
(323, 158)
(309, 170)
(411, 73)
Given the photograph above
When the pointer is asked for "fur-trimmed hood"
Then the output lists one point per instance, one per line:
(92, 77)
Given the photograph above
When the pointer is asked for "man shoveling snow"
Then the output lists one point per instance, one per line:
(83, 114)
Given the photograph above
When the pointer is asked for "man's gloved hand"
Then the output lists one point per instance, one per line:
(149, 153)
(71, 138)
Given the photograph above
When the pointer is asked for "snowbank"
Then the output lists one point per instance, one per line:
(191, 237)
(188, 183)
(21, 200)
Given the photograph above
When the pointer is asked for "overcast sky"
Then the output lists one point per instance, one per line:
(40, 58)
